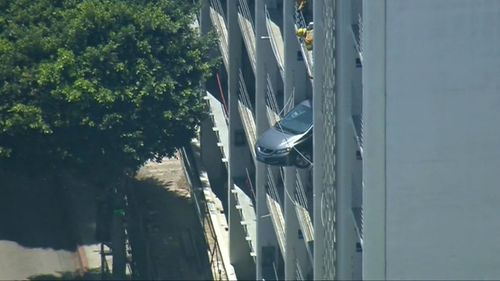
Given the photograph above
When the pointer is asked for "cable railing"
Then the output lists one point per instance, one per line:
(304, 215)
(245, 204)
(221, 93)
(278, 221)
(247, 30)
(276, 277)
(357, 213)
(300, 22)
(271, 95)
(250, 184)
(289, 104)
(276, 39)
(273, 117)
(247, 216)
(298, 271)
(275, 210)
(272, 107)
(271, 182)
(357, 31)
(357, 124)
(282, 172)
(361, 218)
(245, 109)
(219, 120)
(219, 22)
(301, 194)
(243, 94)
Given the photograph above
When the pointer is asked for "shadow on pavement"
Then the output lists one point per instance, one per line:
(91, 275)
(166, 235)
(32, 214)
(167, 230)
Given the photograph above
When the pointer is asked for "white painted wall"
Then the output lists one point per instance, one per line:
(442, 139)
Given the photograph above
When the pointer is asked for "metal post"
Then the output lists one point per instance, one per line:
(118, 235)
(103, 262)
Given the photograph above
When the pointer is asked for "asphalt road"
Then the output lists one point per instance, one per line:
(35, 240)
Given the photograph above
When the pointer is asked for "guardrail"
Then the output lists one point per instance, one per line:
(357, 31)
(304, 215)
(274, 200)
(276, 39)
(219, 22)
(245, 109)
(357, 213)
(289, 104)
(298, 271)
(357, 125)
(247, 30)
(250, 184)
(272, 107)
(220, 122)
(274, 205)
(248, 221)
(300, 22)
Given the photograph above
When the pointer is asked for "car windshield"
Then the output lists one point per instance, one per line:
(297, 121)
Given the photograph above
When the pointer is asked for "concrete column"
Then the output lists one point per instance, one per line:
(374, 157)
(344, 134)
(320, 184)
(295, 81)
(205, 17)
(261, 124)
(236, 248)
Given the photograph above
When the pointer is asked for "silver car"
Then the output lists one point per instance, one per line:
(289, 141)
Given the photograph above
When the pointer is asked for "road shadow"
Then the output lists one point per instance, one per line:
(90, 275)
(166, 231)
(31, 212)
(166, 235)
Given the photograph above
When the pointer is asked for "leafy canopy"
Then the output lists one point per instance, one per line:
(96, 83)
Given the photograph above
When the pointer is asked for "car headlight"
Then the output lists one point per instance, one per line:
(284, 150)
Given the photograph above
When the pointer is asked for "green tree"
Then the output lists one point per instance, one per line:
(101, 85)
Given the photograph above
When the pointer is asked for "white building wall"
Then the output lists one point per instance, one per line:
(431, 104)
(442, 161)
(374, 155)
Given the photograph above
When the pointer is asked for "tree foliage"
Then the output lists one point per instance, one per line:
(99, 83)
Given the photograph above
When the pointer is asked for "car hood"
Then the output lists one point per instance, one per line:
(274, 139)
